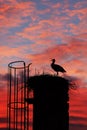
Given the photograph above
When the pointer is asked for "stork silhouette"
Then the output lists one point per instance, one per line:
(57, 67)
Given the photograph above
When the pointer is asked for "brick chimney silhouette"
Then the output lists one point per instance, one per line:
(51, 107)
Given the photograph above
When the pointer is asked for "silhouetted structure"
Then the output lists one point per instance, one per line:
(50, 102)
(56, 67)
(17, 108)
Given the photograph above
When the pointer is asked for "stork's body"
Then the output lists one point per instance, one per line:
(57, 67)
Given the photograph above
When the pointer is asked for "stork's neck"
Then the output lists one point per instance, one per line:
(53, 62)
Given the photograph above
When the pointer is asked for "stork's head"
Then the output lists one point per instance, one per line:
(53, 60)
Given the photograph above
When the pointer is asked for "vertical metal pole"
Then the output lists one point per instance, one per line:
(10, 102)
(22, 101)
(14, 96)
(27, 98)
(24, 97)
(17, 104)
(8, 94)
(7, 98)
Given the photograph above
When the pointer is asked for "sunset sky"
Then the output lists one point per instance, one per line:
(38, 30)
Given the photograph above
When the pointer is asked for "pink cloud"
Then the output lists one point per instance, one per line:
(11, 14)
(80, 4)
(72, 58)
(43, 31)
(74, 48)
(78, 29)
(82, 36)
(4, 51)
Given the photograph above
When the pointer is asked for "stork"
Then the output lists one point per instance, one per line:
(57, 67)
